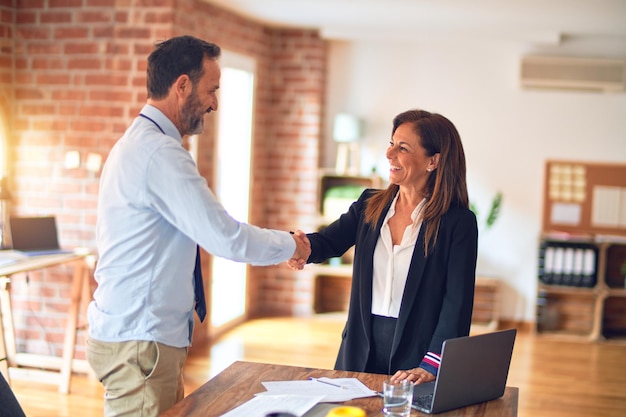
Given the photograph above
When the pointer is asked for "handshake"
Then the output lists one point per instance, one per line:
(303, 250)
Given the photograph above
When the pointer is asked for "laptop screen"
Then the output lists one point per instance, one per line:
(34, 233)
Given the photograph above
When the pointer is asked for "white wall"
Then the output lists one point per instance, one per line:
(508, 133)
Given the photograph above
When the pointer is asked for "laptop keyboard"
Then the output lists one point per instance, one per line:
(424, 402)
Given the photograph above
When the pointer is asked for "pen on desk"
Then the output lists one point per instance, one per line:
(327, 383)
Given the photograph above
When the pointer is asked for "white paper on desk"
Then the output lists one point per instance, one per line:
(8, 257)
(352, 388)
(260, 406)
(7, 261)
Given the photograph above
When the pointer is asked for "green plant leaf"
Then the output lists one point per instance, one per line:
(494, 212)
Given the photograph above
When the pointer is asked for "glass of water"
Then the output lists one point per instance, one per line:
(397, 398)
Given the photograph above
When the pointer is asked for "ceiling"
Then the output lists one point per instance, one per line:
(549, 22)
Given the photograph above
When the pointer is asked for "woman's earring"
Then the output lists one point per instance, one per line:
(429, 169)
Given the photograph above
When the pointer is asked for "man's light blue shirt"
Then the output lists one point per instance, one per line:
(153, 207)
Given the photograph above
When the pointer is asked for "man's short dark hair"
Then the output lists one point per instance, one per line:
(175, 57)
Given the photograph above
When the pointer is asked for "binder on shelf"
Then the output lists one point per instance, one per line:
(589, 268)
(557, 275)
(577, 273)
(568, 266)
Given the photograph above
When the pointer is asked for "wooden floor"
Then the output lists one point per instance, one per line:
(556, 379)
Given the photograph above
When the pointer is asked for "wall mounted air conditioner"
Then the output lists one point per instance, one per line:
(589, 74)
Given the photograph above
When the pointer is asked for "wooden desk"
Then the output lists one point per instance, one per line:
(239, 382)
(12, 363)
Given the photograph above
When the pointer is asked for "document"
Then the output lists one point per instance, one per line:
(262, 405)
(298, 397)
(330, 389)
(8, 257)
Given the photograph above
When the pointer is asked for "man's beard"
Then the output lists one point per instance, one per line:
(191, 123)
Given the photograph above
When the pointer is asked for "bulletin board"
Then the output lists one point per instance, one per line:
(584, 198)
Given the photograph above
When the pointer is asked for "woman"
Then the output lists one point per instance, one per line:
(415, 254)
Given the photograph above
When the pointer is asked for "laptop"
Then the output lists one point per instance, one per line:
(473, 369)
(35, 236)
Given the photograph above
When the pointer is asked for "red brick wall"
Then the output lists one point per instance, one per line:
(291, 161)
(79, 79)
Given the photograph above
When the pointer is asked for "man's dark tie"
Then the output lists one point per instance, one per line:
(199, 287)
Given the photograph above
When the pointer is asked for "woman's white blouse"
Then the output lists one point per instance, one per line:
(391, 263)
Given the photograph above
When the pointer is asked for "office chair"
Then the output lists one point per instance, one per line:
(10, 407)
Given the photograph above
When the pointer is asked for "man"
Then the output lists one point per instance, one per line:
(154, 209)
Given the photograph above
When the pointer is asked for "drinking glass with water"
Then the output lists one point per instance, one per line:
(397, 398)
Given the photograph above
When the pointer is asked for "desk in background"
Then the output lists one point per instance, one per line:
(15, 364)
(239, 382)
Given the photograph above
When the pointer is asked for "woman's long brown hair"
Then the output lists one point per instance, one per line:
(446, 186)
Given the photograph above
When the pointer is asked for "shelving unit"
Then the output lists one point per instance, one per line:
(330, 201)
(486, 313)
(614, 306)
(595, 312)
(581, 292)
(331, 288)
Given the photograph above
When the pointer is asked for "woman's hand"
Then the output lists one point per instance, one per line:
(416, 376)
(303, 251)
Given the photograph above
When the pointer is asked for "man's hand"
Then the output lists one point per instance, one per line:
(416, 376)
(303, 251)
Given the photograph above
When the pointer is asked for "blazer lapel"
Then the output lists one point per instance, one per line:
(366, 249)
(368, 245)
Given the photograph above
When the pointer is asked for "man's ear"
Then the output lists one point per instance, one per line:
(182, 86)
